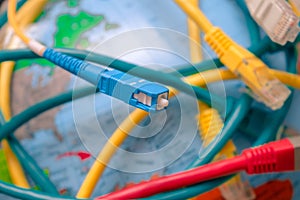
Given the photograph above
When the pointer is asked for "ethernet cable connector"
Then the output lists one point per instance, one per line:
(277, 19)
(135, 91)
(264, 86)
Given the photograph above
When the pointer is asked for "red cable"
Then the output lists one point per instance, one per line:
(180, 179)
(275, 156)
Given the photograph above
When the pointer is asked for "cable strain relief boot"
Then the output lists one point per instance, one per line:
(218, 40)
(273, 157)
(72, 65)
(210, 124)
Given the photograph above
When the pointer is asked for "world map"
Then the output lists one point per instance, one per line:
(87, 24)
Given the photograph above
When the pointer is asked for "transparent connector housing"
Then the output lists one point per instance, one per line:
(264, 87)
(277, 19)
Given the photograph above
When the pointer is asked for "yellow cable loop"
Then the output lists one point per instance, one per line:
(109, 149)
(13, 22)
(289, 79)
(195, 40)
(26, 15)
(195, 43)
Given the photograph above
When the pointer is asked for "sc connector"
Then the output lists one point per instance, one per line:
(135, 91)
(140, 93)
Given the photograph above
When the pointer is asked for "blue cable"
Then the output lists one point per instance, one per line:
(132, 90)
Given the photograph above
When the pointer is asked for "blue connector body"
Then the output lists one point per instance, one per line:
(132, 90)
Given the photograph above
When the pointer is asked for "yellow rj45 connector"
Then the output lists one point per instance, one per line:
(265, 87)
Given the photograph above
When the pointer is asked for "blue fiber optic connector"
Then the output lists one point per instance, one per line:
(132, 90)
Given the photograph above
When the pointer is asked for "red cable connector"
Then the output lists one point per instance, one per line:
(276, 156)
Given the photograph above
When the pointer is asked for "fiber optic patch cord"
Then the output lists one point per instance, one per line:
(254, 107)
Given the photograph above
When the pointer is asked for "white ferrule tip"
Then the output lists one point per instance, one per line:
(37, 47)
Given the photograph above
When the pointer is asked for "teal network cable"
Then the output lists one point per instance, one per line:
(18, 120)
(29, 164)
(31, 167)
(275, 119)
(28, 194)
(253, 28)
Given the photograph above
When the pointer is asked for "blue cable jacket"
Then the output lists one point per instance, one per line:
(71, 64)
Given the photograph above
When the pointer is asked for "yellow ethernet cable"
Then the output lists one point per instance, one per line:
(210, 121)
(292, 80)
(15, 169)
(26, 15)
(195, 51)
(265, 87)
(210, 76)
(195, 40)
(210, 125)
